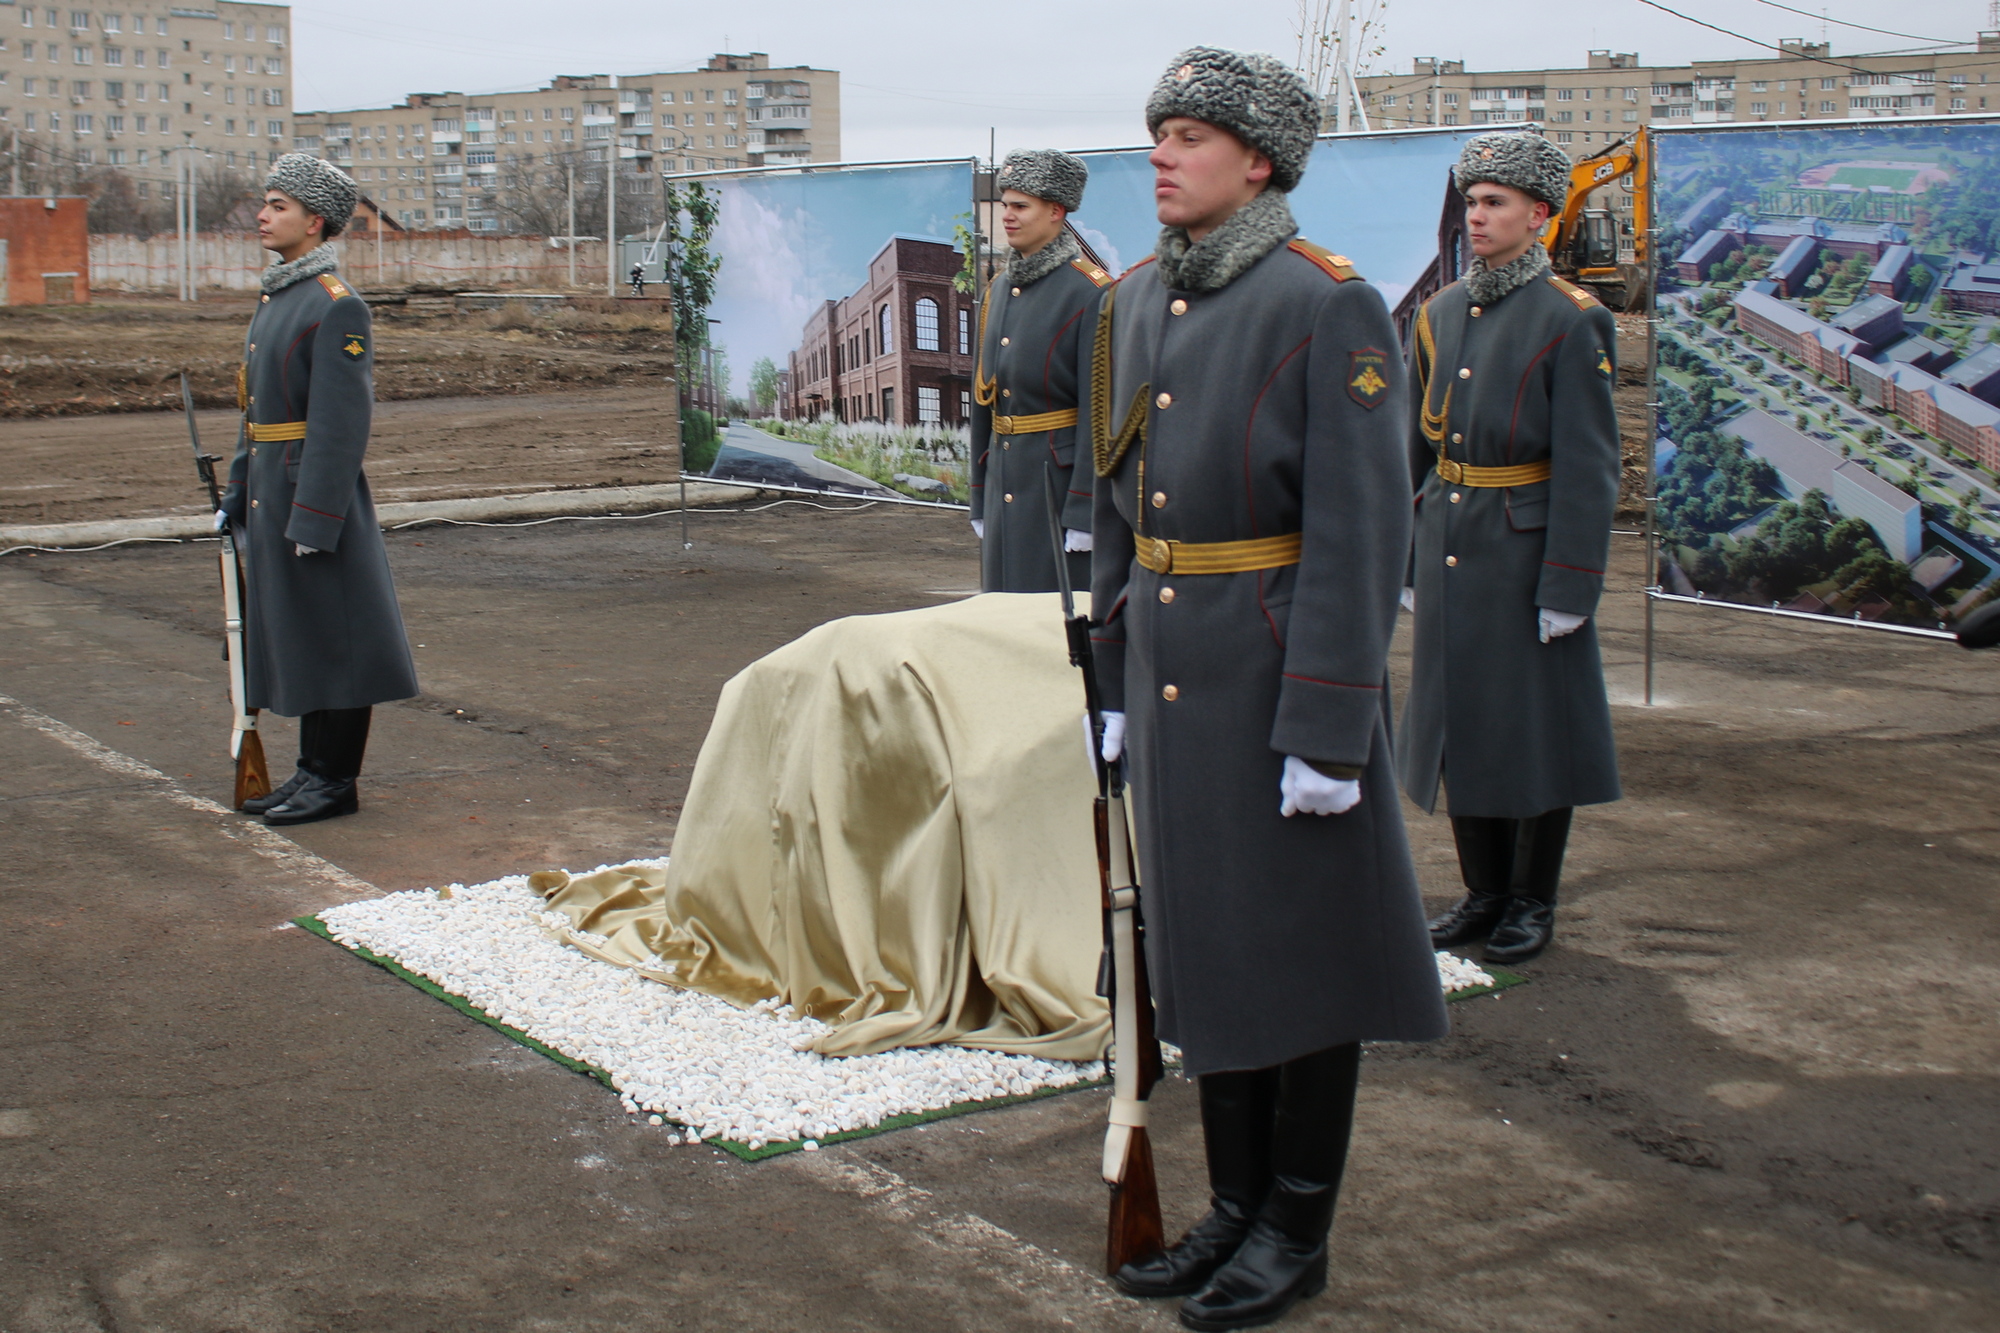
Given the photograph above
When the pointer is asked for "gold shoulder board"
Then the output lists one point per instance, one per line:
(1583, 298)
(1334, 266)
(334, 286)
(1091, 271)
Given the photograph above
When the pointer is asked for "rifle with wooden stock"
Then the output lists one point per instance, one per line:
(1134, 1233)
(253, 779)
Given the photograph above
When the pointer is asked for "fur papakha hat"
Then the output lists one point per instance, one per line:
(1527, 162)
(1046, 174)
(319, 185)
(1258, 98)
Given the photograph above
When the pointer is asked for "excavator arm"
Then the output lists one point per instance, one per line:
(1583, 242)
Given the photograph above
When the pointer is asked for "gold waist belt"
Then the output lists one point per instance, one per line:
(1523, 474)
(281, 430)
(1041, 421)
(1171, 557)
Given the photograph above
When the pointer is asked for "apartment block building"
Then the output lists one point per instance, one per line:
(1588, 108)
(899, 350)
(504, 161)
(86, 89)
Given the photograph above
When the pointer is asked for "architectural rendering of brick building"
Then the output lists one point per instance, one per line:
(898, 351)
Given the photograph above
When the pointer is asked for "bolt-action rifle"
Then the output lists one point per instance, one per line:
(253, 779)
(1135, 1232)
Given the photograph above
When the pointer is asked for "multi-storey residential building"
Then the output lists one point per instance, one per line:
(86, 89)
(505, 161)
(898, 351)
(1586, 109)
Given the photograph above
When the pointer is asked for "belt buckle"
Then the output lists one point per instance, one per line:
(1449, 470)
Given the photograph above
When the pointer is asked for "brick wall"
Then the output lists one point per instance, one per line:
(43, 242)
(233, 260)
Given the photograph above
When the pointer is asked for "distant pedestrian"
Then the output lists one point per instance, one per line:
(1514, 454)
(324, 638)
(1034, 347)
(638, 279)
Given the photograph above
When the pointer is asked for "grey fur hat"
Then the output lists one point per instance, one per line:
(319, 185)
(1046, 174)
(1258, 98)
(1527, 162)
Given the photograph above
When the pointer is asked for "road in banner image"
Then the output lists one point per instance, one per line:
(1750, 1088)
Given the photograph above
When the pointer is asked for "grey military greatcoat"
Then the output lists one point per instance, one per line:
(1514, 726)
(1272, 406)
(1034, 349)
(324, 630)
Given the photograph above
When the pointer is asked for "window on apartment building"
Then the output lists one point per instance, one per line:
(930, 406)
(229, 32)
(569, 136)
(964, 332)
(79, 89)
(82, 124)
(1826, 108)
(729, 97)
(114, 55)
(229, 94)
(1828, 83)
(115, 91)
(885, 337)
(274, 128)
(927, 325)
(1451, 99)
(81, 55)
(1565, 94)
(114, 124)
(1759, 108)
(1631, 117)
(708, 94)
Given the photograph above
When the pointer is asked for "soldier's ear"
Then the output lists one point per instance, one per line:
(1260, 167)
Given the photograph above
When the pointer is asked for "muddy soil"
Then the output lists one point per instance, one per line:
(125, 354)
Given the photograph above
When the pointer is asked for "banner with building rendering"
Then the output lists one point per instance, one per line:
(1828, 436)
(842, 327)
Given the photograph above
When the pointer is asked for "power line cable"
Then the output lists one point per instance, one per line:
(1842, 23)
(1741, 37)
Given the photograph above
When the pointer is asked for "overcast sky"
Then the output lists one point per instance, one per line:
(927, 80)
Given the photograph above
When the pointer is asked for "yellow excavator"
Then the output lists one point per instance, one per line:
(1583, 242)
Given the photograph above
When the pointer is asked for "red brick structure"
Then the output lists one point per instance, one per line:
(48, 250)
(898, 351)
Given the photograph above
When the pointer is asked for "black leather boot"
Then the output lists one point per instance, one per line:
(257, 805)
(1283, 1259)
(1529, 922)
(320, 798)
(1237, 1114)
(1486, 864)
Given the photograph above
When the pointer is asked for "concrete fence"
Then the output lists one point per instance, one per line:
(232, 261)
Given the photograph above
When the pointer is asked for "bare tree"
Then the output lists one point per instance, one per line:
(1317, 24)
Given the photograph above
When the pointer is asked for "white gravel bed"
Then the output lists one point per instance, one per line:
(718, 1071)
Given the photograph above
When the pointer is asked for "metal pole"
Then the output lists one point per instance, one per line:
(611, 222)
(1652, 421)
(569, 172)
(381, 221)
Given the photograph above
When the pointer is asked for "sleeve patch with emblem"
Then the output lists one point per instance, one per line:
(1367, 376)
(1603, 363)
(354, 346)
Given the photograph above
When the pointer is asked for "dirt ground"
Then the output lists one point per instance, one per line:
(1751, 1088)
(125, 354)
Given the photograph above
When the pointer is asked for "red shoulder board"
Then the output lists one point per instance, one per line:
(1583, 298)
(334, 286)
(1091, 271)
(1135, 268)
(1333, 265)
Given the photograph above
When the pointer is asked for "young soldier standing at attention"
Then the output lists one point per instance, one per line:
(1251, 536)
(1034, 345)
(323, 636)
(1515, 458)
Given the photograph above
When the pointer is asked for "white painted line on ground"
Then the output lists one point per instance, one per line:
(1052, 1287)
(259, 838)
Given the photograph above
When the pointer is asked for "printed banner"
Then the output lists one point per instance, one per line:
(844, 318)
(1829, 368)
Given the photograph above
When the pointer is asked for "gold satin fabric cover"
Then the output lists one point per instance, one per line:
(889, 829)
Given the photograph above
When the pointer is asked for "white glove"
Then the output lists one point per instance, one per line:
(304, 550)
(1409, 600)
(1114, 737)
(979, 528)
(1076, 539)
(1555, 624)
(1306, 789)
(222, 520)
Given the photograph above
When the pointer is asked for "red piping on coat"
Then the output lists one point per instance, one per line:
(1249, 495)
(285, 366)
(1578, 568)
(1521, 389)
(321, 512)
(1338, 684)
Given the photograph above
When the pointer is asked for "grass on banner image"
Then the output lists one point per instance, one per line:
(744, 1080)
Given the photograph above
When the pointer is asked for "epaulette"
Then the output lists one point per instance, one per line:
(1091, 271)
(1135, 268)
(1334, 266)
(1583, 298)
(334, 286)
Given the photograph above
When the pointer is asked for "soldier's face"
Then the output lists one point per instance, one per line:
(1502, 222)
(1202, 174)
(285, 225)
(1030, 223)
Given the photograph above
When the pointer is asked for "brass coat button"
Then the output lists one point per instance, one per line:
(1451, 560)
(253, 504)
(1159, 499)
(1465, 372)
(1166, 594)
(1016, 291)
(1170, 693)
(1006, 393)
(1004, 342)
(266, 299)
(1456, 438)
(253, 451)
(1164, 400)
(1006, 445)
(1179, 307)
(1475, 312)
(1008, 497)
(1454, 497)
(253, 347)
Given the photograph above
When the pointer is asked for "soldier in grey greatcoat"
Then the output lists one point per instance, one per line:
(1251, 535)
(323, 636)
(1035, 330)
(1514, 453)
